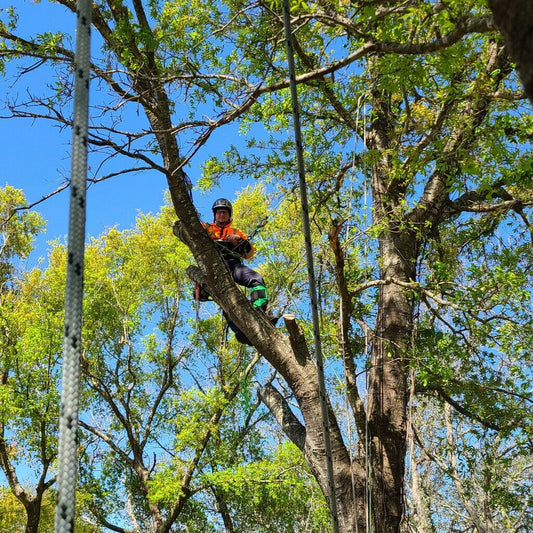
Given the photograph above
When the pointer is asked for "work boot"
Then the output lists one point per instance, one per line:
(259, 297)
(273, 319)
(241, 337)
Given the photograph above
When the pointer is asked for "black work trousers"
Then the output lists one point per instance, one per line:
(247, 277)
(244, 275)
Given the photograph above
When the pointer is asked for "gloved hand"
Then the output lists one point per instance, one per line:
(234, 239)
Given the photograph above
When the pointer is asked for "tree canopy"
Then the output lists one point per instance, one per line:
(417, 140)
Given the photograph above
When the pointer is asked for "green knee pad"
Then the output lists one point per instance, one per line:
(259, 296)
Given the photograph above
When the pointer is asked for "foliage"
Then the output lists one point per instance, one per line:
(154, 409)
(12, 515)
(257, 492)
(468, 477)
(418, 165)
(17, 230)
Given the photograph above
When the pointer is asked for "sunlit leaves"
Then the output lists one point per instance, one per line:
(293, 5)
(17, 230)
(262, 485)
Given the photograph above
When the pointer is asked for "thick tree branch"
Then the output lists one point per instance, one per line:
(433, 203)
(515, 20)
(281, 411)
(461, 409)
(346, 310)
(474, 202)
(10, 473)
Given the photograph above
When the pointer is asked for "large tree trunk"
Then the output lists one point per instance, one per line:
(387, 381)
(387, 394)
(514, 18)
(33, 512)
(31, 502)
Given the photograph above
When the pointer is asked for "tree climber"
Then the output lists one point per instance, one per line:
(234, 247)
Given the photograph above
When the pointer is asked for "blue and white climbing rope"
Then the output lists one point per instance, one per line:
(70, 385)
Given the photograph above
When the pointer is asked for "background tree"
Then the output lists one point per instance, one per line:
(22, 371)
(167, 417)
(412, 298)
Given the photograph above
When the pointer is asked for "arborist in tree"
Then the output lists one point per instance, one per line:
(234, 247)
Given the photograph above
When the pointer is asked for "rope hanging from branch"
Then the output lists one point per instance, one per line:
(310, 264)
(68, 422)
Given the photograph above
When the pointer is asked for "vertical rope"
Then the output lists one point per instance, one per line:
(310, 266)
(68, 423)
(368, 444)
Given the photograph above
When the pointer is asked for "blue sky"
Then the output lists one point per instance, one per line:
(36, 155)
(36, 158)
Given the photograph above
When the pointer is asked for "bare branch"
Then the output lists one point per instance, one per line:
(281, 411)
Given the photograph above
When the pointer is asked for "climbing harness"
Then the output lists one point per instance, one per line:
(68, 422)
(310, 266)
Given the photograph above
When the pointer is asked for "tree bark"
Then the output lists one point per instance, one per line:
(514, 18)
(387, 394)
(33, 512)
(391, 340)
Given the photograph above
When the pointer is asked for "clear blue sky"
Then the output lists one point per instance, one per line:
(36, 155)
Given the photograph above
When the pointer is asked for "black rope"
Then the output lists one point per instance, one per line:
(310, 267)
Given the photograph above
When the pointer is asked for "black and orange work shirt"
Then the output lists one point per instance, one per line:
(221, 234)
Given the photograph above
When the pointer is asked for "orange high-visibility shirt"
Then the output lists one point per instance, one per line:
(221, 234)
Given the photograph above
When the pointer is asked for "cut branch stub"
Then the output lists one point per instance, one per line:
(297, 339)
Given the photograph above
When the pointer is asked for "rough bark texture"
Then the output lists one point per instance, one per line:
(514, 18)
(387, 395)
(390, 344)
(299, 372)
